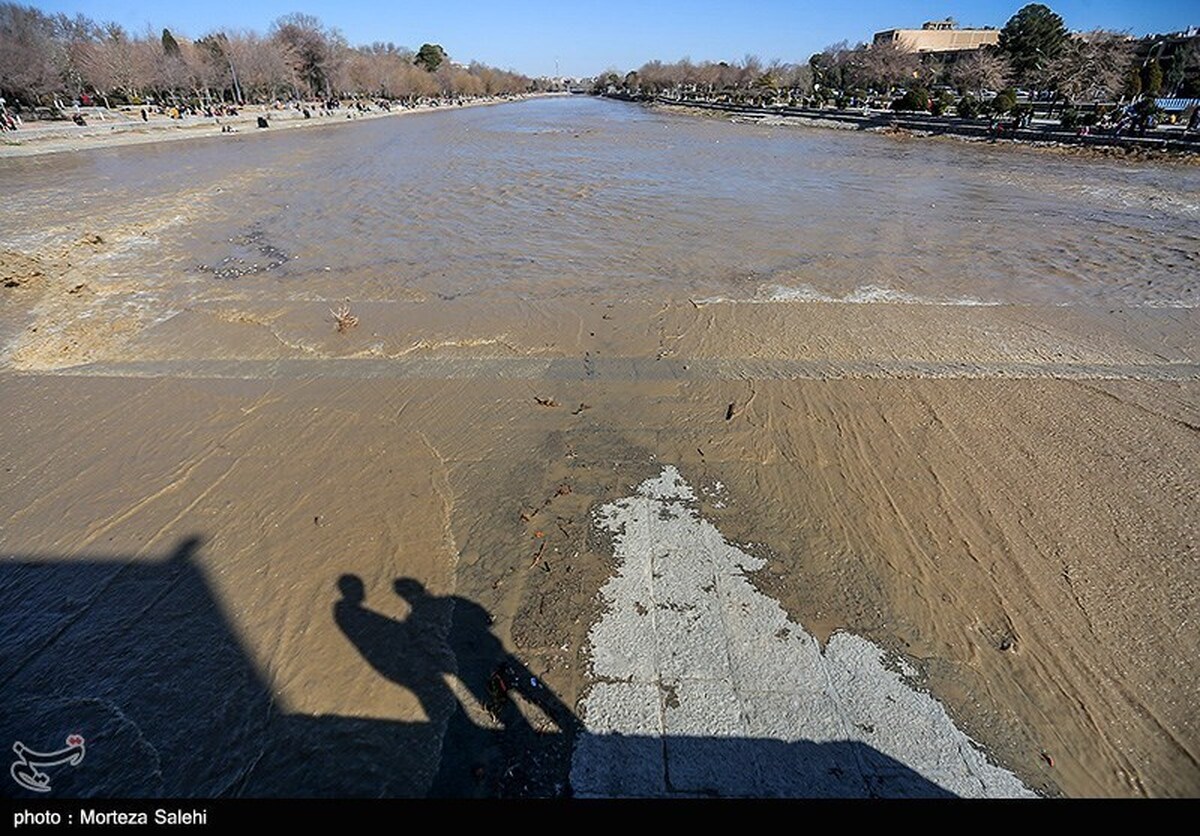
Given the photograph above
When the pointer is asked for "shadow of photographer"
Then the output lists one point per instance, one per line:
(449, 636)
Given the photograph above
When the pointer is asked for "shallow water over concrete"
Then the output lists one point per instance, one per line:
(944, 394)
(577, 195)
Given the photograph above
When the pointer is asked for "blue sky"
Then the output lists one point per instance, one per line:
(587, 37)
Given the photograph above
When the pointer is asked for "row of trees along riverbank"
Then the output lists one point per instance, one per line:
(1038, 64)
(53, 61)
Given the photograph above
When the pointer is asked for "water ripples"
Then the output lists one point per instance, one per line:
(561, 196)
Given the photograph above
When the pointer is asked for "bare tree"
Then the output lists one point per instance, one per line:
(264, 64)
(309, 50)
(27, 53)
(47, 59)
(749, 72)
(798, 78)
(983, 69)
(109, 64)
(748, 78)
(1092, 66)
(885, 66)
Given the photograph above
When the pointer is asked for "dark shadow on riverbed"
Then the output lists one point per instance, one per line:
(447, 635)
(138, 657)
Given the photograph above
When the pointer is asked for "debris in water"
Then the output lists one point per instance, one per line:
(550, 402)
(562, 490)
(538, 555)
(1047, 758)
(729, 412)
(497, 693)
(344, 319)
(582, 407)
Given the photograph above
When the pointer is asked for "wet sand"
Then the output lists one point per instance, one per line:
(993, 481)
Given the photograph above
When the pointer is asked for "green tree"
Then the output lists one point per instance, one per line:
(766, 84)
(1004, 101)
(1176, 70)
(830, 65)
(917, 98)
(606, 80)
(942, 104)
(170, 45)
(818, 68)
(430, 57)
(1133, 83)
(1183, 74)
(1033, 37)
(1152, 78)
(217, 47)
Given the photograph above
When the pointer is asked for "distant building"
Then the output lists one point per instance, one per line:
(939, 36)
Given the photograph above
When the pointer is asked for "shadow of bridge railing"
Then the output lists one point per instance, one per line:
(139, 658)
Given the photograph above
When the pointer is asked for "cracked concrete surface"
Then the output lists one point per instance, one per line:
(703, 686)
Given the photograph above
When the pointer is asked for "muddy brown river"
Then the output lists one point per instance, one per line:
(946, 394)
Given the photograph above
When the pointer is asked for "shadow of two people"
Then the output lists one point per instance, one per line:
(124, 649)
(448, 635)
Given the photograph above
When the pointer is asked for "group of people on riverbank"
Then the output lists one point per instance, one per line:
(87, 109)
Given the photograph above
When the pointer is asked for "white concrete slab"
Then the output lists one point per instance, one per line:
(722, 694)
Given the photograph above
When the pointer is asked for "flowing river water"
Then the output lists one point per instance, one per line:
(945, 393)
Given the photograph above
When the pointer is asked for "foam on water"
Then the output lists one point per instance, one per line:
(865, 295)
